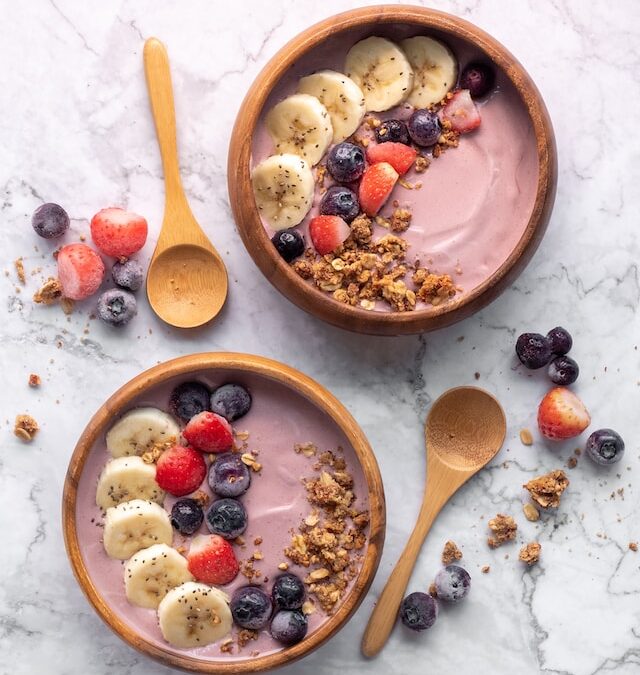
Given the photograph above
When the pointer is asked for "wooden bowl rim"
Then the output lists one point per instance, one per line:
(310, 298)
(302, 385)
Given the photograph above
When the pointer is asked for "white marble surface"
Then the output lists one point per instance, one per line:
(76, 129)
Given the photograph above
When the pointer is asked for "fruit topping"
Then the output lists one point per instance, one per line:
(327, 233)
(533, 350)
(376, 185)
(127, 478)
(560, 340)
(209, 432)
(80, 271)
(50, 221)
(141, 430)
(289, 626)
(340, 201)
(424, 128)
(117, 232)
(392, 131)
(452, 583)
(562, 414)
(400, 157)
(461, 112)
(232, 401)
(180, 470)
(128, 274)
(289, 244)
(226, 517)
(288, 591)
(186, 516)
(345, 162)
(605, 446)
(116, 307)
(229, 476)
(418, 611)
(251, 607)
(189, 399)
(478, 78)
(212, 560)
(435, 70)
(563, 370)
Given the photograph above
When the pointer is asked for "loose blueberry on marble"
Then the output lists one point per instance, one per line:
(533, 350)
(189, 399)
(605, 446)
(251, 607)
(340, 201)
(50, 221)
(424, 128)
(345, 162)
(289, 243)
(288, 591)
(392, 130)
(128, 274)
(226, 517)
(229, 476)
(231, 401)
(117, 307)
(478, 78)
(289, 626)
(186, 516)
(563, 370)
(418, 611)
(452, 583)
(560, 340)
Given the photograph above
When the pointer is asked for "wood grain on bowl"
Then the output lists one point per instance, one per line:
(270, 371)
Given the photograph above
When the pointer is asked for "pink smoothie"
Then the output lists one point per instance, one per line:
(276, 501)
(475, 200)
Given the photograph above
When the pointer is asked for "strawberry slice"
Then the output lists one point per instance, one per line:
(209, 432)
(562, 414)
(461, 112)
(400, 156)
(211, 559)
(117, 232)
(376, 185)
(180, 470)
(327, 233)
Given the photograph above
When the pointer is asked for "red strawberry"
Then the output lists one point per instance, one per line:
(461, 111)
(180, 470)
(376, 186)
(327, 233)
(211, 559)
(562, 414)
(80, 271)
(117, 232)
(209, 432)
(400, 156)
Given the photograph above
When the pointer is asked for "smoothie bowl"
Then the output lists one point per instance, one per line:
(392, 169)
(223, 513)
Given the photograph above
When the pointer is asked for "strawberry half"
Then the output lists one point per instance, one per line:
(462, 112)
(327, 233)
(562, 414)
(80, 271)
(117, 232)
(376, 185)
(211, 559)
(180, 470)
(209, 432)
(400, 156)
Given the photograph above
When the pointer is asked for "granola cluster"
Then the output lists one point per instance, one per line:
(503, 529)
(451, 553)
(546, 490)
(530, 553)
(25, 427)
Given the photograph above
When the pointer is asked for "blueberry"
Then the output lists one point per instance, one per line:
(424, 128)
(250, 607)
(289, 626)
(288, 591)
(340, 201)
(560, 340)
(189, 399)
(418, 611)
(226, 517)
(186, 516)
(232, 401)
(128, 274)
(478, 78)
(50, 221)
(452, 583)
(605, 446)
(533, 350)
(563, 370)
(289, 243)
(229, 476)
(346, 162)
(392, 130)
(117, 307)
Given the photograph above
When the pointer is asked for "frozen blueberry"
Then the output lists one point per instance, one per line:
(50, 221)
(226, 517)
(418, 611)
(605, 446)
(424, 128)
(340, 201)
(186, 516)
(563, 370)
(533, 350)
(128, 274)
(289, 626)
(452, 583)
(229, 476)
(232, 401)
(478, 78)
(392, 130)
(288, 591)
(189, 399)
(250, 607)
(117, 307)
(560, 340)
(289, 243)
(346, 162)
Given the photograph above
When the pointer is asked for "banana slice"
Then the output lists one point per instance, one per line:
(342, 98)
(283, 187)
(133, 525)
(152, 572)
(194, 615)
(435, 70)
(381, 70)
(126, 478)
(300, 125)
(139, 430)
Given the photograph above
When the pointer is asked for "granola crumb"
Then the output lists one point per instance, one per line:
(308, 607)
(526, 437)
(307, 449)
(152, 454)
(485, 569)
(181, 549)
(633, 546)
(531, 513)
(400, 220)
(245, 636)
(201, 497)
(283, 566)
(25, 427)
(572, 462)
(248, 459)
(503, 528)
(67, 305)
(477, 375)
(257, 541)
(450, 553)
(226, 646)
(34, 380)
(421, 164)
(50, 292)
(432, 590)
(530, 553)
(546, 490)
(19, 265)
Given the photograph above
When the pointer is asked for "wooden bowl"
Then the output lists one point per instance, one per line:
(272, 374)
(321, 304)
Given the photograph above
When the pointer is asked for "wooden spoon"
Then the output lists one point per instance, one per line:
(465, 429)
(187, 279)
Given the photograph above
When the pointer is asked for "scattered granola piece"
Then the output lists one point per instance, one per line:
(400, 220)
(248, 459)
(421, 164)
(283, 566)
(308, 607)
(201, 497)
(257, 541)
(307, 449)
(546, 490)
(34, 380)
(25, 428)
(19, 265)
(450, 553)
(67, 305)
(572, 462)
(504, 529)
(531, 512)
(530, 553)
(633, 546)
(432, 590)
(245, 636)
(526, 437)
(50, 292)
(258, 555)
(226, 646)
(485, 569)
